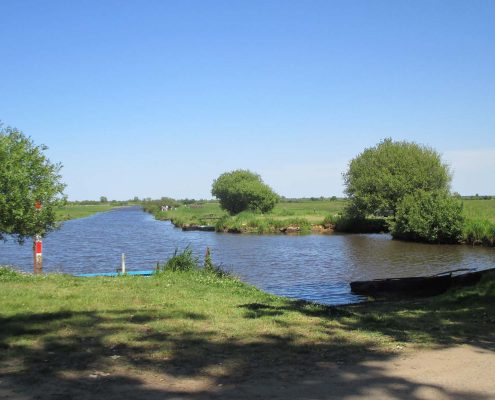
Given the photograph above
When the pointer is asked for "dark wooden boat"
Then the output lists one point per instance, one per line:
(418, 286)
(204, 228)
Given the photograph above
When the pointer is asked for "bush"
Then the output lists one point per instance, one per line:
(184, 261)
(242, 190)
(349, 224)
(432, 217)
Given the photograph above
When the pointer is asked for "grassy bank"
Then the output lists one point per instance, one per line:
(479, 228)
(305, 216)
(195, 324)
(73, 211)
(287, 216)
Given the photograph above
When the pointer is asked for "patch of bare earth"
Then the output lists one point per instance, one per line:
(459, 372)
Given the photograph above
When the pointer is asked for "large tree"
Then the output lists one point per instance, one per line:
(30, 187)
(241, 190)
(379, 177)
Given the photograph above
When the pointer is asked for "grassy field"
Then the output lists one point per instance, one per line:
(287, 213)
(304, 214)
(79, 211)
(62, 329)
(480, 209)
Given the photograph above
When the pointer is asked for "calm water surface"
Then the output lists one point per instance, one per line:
(314, 267)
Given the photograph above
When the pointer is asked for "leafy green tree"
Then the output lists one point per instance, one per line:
(379, 177)
(27, 179)
(242, 190)
(103, 199)
(433, 217)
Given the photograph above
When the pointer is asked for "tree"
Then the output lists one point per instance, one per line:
(379, 177)
(433, 217)
(241, 190)
(30, 187)
(103, 199)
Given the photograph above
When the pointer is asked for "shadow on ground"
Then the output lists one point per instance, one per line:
(72, 357)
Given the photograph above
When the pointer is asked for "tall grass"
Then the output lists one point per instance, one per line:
(480, 209)
(186, 261)
(248, 222)
(183, 261)
(479, 231)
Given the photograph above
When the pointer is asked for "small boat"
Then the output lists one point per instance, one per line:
(131, 273)
(419, 286)
(204, 228)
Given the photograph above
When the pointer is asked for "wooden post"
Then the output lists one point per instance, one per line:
(123, 264)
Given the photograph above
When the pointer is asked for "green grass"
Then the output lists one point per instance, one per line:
(305, 216)
(67, 212)
(480, 209)
(479, 227)
(196, 323)
(301, 214)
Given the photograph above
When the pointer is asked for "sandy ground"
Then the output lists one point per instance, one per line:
(460, 372)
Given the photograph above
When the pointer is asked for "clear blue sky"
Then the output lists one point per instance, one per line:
(157, 98)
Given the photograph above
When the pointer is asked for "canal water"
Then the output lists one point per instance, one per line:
(312, 267)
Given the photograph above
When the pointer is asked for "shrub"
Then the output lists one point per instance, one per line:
(184, 261)
(432, 217)
(349, 224)
(242, 190)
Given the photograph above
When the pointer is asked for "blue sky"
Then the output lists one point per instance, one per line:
(157, 98)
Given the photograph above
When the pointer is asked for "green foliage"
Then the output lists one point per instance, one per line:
(8, 274)
(379, 177)
(242, 190)
(479, 231)
(433, 217)
(349, 224)
(184, 261)
(208, 263)
(26, 177)
(248, 222)
(187, 262)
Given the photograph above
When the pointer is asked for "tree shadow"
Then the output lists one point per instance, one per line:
(459, 316)
(81, 355)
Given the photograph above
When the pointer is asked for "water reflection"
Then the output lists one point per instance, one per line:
(315, 267)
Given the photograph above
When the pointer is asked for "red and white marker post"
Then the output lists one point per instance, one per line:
(38, 248)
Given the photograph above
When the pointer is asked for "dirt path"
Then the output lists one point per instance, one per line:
(460, 372)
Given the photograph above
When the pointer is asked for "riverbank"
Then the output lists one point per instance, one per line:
(311, 216)
(67, 336)
(297, 216)
(74, 211)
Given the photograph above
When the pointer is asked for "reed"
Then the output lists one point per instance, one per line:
(479, 232)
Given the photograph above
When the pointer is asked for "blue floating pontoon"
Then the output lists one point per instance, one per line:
(138, 273)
